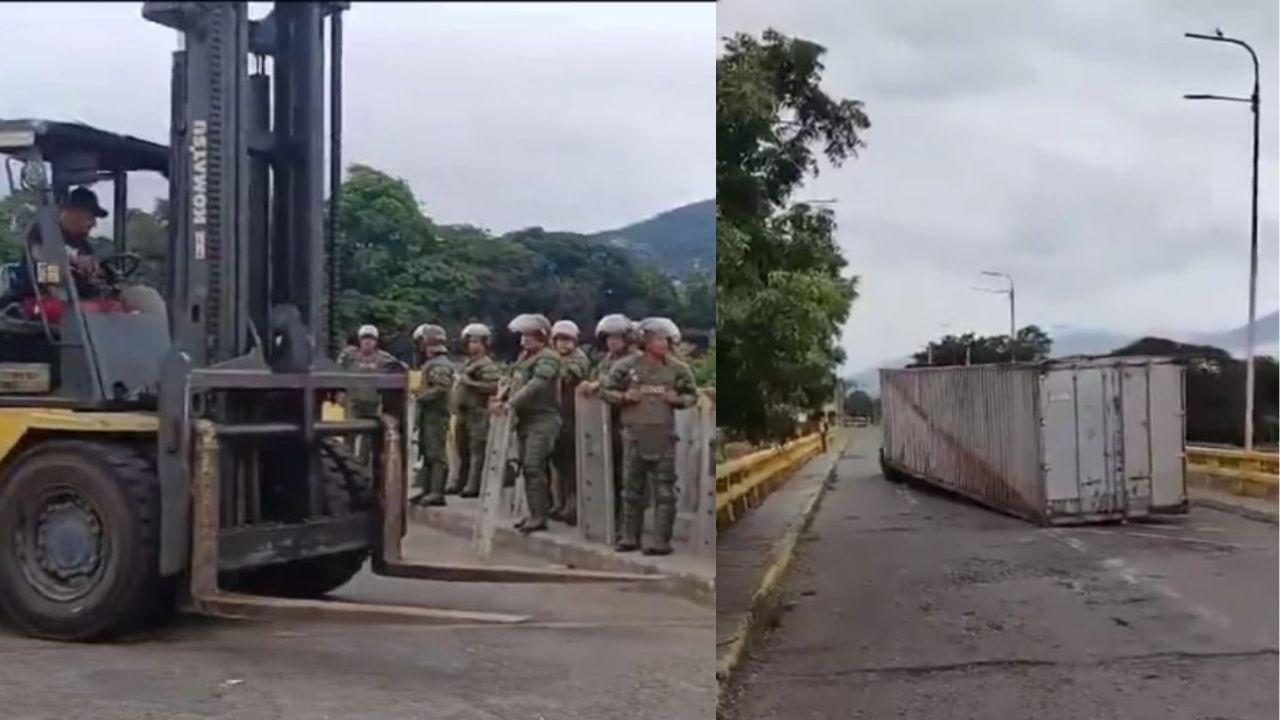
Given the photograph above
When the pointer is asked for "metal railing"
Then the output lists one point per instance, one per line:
(744, 483)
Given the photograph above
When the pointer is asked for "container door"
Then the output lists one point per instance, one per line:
(1058, 428)
(1135, 461)
(1079, 409)
(1168, 434)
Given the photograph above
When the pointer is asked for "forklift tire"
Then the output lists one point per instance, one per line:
(347, 490)
(79, 559)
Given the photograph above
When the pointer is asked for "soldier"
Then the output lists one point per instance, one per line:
(532, 394)
(649, 388)
(574, 368)
(366, 357)
(432, 408)
(476, 383)
(617, 332)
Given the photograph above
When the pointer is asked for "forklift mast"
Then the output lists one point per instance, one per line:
(247, 242)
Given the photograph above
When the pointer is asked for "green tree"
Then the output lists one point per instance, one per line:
(1033, 345)
(859, 402)
(782, 294)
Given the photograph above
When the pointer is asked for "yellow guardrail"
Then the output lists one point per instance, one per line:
(743, 483)
(1241, 472)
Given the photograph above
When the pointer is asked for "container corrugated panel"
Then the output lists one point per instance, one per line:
(971, 430)
(1070, 441)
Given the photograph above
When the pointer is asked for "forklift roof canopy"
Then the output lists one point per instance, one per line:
(85, 148)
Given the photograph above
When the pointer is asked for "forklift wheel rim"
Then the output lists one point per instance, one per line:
(62, 548)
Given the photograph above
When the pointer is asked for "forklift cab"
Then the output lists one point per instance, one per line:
(56, 347)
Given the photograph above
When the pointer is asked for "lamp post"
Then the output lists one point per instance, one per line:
(1013, 322)
(1255, 103)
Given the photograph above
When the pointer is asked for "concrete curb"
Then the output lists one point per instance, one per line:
(1235, 509)
(695, 587)
(764, 603)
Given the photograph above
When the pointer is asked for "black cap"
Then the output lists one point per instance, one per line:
(85, 199)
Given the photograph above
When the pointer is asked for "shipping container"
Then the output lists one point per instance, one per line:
(1071, 441)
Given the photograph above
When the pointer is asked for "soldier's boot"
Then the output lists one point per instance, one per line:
(439, 473)
(537, 496)
(455, 486)
(538, 501)
(423, 482)
(474, 472)
(664, 520)
(663, 491)
(630, 528)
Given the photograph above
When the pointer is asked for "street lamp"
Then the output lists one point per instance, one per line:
(1013, 324)
(1255, 102)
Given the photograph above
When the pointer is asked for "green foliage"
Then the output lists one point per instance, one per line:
(398, 269)
(859, 402)
(782, 294)
(1032, 345)
(704, 367)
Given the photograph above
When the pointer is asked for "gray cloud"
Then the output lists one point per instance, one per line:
(1048, 140)
(571, 116)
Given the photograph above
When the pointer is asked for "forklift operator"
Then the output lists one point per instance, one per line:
(77, 216)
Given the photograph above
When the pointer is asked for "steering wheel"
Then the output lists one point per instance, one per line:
(120, 266)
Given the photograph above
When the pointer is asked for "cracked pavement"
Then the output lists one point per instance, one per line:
(908, 604)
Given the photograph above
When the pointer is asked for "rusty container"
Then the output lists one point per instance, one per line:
(1070, 441)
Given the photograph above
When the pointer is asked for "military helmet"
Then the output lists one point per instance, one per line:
(616, 324)
(660, 326)
(476, 330)
(530, 324)
(367, 331)
(433, 334)
(565, 328)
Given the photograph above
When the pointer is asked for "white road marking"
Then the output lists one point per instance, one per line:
(1070, 541)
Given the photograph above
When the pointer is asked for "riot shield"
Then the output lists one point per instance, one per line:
(595, 470)
(493, 476)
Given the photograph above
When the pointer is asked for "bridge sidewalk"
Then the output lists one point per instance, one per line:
(753, 556)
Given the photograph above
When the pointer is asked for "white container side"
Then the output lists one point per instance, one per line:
(1069, 441)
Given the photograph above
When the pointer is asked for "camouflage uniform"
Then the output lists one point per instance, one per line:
(477, 382)
(534, 397)
(649, 441)
(432, 407)
(598, 374)
(364, 402)
(574, 368)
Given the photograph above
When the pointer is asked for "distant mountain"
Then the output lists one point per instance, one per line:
(1233, 341)
(679, 241)
(1069, 341)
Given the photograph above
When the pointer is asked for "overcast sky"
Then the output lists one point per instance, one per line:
(571, 116)
(1047, 139)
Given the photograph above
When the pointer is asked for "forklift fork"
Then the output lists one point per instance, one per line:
(388, 560)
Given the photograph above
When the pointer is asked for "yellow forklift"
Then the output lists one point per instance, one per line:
(153, 461)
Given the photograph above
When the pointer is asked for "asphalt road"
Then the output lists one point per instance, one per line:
(907, 604)
(590, 653)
